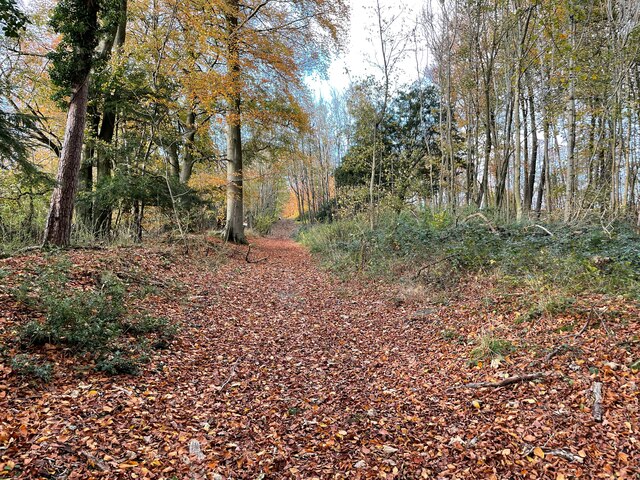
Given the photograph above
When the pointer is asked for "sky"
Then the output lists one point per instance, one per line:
(362, 51)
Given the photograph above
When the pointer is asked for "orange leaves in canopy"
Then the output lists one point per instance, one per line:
(278, 42)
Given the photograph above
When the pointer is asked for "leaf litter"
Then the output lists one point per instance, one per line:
(280, 370)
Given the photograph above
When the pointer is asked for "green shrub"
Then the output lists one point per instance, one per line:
(263, 223)
(442, 247)
(144, 324)
(87, 320)
(35, 333)
(32, 366)
(118, 363)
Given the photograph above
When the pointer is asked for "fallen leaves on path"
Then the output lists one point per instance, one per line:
(282, 371)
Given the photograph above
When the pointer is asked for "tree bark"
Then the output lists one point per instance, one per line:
(174, 159)
(571, 171)
(234, 228)
(503, 166)
(85, 211)
(59, 221)
(534, 151)
(484, 185)
(517, 164)
(186, 168)
(545, 167)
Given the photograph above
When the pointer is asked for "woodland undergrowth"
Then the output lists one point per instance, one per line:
(550, 260)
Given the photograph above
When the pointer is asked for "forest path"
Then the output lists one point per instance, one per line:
(282, 370)
(321, 373)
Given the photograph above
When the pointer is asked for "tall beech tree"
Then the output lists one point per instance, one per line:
(241, 64)
(268, 46)
(234, 229)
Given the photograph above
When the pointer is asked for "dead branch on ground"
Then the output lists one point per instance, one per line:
(246, 257)
(509, 380)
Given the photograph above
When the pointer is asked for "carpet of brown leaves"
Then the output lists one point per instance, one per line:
(282, 371)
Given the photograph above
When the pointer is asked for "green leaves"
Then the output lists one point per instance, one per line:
(12, 20)
(77, 22)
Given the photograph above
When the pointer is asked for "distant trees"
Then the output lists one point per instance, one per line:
(268, 43)
(313, 157)
(549, 109)
(408, 168)
(525, 108)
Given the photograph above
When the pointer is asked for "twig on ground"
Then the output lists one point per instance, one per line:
(584, 327)
(508, 381)
(565, 347)
(231, 374)
(566, 454)
(558, 452)
(603, 323)
(544, 229)
(429, 265)
(556, 351)
(246, 257)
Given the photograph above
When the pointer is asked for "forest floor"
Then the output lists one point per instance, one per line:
(281, 370)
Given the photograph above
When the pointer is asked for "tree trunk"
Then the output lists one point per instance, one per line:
(471, 131)
(517, 164)
(571, 173)
(174, 159)
(58, 227)
(107, 131)
(503, 166)
(103, 167)
(484, 186)
(545, 167)
(234, 228)
(138, 213)
(534, 151)
(85, 210)
(187, 165)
